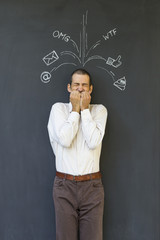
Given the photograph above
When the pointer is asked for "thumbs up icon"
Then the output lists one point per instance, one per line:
(114, 62)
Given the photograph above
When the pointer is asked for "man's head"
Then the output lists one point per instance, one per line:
(80, 81)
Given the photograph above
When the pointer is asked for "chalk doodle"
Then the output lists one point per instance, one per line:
(114, 62)
(110, 34)
(57, 34)
(120, 83)
(50, 58)
(81, 55)
(45, 77)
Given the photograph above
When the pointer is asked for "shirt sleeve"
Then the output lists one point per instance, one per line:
(94, 127)
(62, 126)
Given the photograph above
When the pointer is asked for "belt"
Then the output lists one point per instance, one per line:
(79, 178)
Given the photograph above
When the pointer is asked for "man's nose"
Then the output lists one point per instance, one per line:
(80, 88)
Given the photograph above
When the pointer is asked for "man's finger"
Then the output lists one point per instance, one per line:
(85, 94)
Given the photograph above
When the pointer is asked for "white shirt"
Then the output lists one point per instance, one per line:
(75, 138)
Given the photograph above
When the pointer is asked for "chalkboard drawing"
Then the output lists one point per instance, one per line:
(50, 58)
(114, 62)
(120, 83)
(81, 54)
(45, 77)
(110, 34)
(58, 34)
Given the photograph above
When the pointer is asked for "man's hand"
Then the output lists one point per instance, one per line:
(75, 100)
(85, 100)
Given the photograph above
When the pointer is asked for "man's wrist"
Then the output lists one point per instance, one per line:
(83, 108)
(76, 109)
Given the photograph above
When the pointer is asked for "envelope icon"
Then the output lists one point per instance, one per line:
(50, 58)
(120, 83)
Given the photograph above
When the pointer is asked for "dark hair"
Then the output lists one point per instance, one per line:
(82, 72)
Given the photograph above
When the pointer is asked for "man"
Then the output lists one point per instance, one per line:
(76, 130)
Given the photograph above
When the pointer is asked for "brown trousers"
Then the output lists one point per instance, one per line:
(78, 209)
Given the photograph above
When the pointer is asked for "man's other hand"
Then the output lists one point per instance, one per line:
(85, 100)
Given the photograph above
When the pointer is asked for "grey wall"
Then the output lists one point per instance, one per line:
(123, 43)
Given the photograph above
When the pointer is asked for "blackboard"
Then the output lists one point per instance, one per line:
(118, 43)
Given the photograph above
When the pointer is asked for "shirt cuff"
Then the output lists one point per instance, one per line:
(86, 115)
(74, 117)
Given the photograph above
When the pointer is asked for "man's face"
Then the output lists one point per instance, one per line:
(80, 83)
